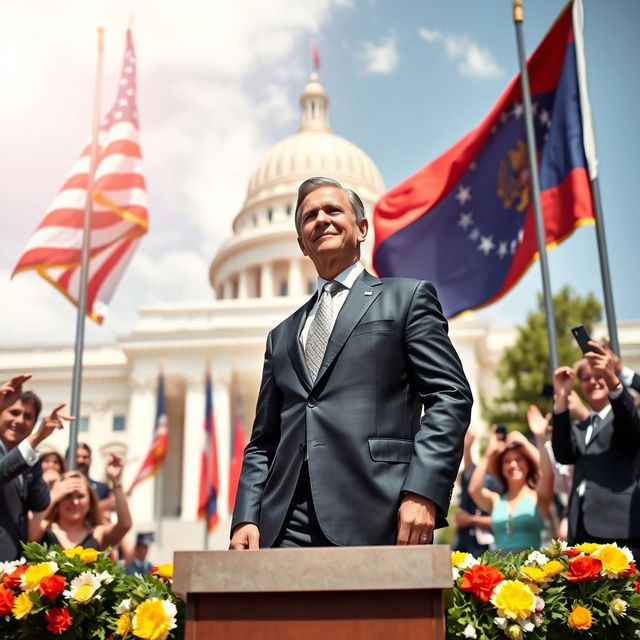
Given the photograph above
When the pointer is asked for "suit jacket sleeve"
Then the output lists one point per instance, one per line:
(635, 382)
(437, 376)
(259, 453)
(626, 421)
(38, 496)
(563, 440)
(12, 465)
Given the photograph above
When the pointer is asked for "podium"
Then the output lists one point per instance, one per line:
(337, 593)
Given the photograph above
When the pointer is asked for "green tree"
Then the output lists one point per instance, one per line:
(524, 367)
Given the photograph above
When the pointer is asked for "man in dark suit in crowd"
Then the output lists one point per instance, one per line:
(604, 504)
(21, 485)
(339, 453)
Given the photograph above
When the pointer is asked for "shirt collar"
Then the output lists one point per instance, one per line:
(346, 278)
(601, 414)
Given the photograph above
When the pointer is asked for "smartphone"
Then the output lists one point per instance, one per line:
(501, 431)
(582, 337)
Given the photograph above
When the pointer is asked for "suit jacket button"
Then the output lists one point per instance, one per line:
(311, 402)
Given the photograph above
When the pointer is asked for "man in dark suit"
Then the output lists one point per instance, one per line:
(21, 485)
(339, 453)
(604, 504)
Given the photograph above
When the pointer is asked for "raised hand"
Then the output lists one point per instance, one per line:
(538, 423)
(11, 389)
(49, 425)
(114, 467)
(601, 361)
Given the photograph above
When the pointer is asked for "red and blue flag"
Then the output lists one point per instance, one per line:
(208, 495)
(238, 444)
(466, 220)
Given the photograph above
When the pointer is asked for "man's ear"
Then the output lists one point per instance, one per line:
(301, 245)
(363, 226)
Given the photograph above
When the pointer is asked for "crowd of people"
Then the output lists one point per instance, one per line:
(580, 482)
(40, 501)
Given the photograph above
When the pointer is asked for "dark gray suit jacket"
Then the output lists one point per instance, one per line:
(609, 466)
(388, 356)
(16, 499)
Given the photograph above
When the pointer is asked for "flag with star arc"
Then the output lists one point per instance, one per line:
(466, 220)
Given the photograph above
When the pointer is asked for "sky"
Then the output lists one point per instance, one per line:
(218, 85)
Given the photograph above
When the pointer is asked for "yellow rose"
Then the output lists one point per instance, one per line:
(163, 570)
(535, 574)
(123, 625)
(614, 560)
(587, 547)
(513, 599)
(458, 557)
(22, 606)
(552, 568)
(73, 552)
(34, 575)
(580, 618)
(154, 618)
(89, 555)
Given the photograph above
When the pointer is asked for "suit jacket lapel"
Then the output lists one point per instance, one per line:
(296, 354)
(353, 309)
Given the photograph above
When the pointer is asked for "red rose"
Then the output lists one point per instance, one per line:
(572, 553)
(12, 580)
(584, 569)
(631, 570)
(6, 600)
(52, 586)
(636, 584)
(58, 620)
(481, 580)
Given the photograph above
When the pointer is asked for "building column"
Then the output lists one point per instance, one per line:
(296, 280)
(194, 408)
(141, 421)
(222, 408)
(227, 289)
(243, 284)
(266, 280)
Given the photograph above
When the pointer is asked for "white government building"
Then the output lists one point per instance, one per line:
(258, 278)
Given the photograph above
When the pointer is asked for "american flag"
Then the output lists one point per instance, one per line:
(208, 495)
(160, 444)
(119, 212)
(238, 444)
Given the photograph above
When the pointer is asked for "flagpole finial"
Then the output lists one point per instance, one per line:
(100, 37)
(518, 12)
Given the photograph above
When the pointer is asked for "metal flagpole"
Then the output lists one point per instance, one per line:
(592, 162)
(535, 187)
(76, 384)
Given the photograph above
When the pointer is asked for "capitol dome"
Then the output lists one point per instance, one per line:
(261, 259)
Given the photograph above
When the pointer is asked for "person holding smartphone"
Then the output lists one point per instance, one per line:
(604, 504)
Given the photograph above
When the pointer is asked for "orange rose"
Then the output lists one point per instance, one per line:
(481, 580)
(52, 586)
(580, 619)
(636, 584)
(7, 598)
(583, 569)
(631, 570)
(12, 580)
(58, 620)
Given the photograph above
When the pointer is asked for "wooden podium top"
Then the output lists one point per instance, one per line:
(313, 569)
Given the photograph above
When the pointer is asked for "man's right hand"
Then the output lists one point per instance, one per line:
(49, 425)
(245, 536)
(11, 389)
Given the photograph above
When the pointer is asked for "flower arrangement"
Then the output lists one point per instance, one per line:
(589, 591)
(82, 594)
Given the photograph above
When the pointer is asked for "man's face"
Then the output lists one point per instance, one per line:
(593, 387)
(83, 460)
(328, 227)
(16, 423)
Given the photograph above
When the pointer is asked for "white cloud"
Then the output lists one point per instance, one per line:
(379, 58)
(473, 60)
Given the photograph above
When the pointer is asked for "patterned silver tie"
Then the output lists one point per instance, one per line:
(320, 329)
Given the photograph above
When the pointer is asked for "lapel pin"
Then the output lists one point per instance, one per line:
(368, 293)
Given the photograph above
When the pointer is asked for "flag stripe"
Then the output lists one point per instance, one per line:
(119, 206)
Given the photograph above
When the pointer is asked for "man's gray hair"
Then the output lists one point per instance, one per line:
(357, 208)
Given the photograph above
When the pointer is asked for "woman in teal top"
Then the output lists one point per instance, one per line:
(525, 473)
